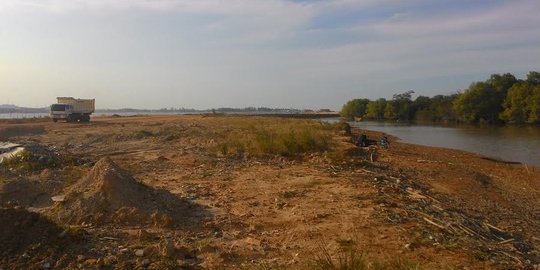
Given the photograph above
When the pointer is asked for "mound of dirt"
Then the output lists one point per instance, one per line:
(21, 230)
(25, 193)
(31, 240)
(109, 194)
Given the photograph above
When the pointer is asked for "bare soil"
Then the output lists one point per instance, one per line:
(154, 193)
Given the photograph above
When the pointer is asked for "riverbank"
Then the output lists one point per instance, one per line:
(512, 144)
(243, 207)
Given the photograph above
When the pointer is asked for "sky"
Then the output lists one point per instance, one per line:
(274, 53)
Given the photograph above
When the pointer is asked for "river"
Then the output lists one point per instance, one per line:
(521, 144)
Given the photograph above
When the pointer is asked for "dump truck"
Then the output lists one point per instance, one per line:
(72, 109)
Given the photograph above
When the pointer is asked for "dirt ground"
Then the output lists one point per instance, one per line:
(153, 193)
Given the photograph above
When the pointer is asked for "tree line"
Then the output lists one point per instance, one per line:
(499, 99)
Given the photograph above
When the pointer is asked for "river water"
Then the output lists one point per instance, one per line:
(510, 143)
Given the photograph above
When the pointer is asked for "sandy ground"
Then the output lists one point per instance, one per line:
(413, 206)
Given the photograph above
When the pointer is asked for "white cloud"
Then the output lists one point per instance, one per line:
(257, 19)
(441, 44)
(218, 7)
(515, 14)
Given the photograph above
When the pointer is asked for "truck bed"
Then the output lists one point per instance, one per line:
(79, 105)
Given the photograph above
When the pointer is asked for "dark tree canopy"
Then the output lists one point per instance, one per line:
(533, 78)
(375, 109)
(501, 98)
(479, 103)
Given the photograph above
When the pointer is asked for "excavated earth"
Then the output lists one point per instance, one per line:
(152, 192)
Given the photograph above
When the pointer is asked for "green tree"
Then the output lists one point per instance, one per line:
(389, 112)
(402, 104)
(533, 104)
(479, 103)
(421, 108)
(500, 97)
(421, 103)
(515, 105)
(354, 108)
(442, 109)
(502, 83)
(375, 109)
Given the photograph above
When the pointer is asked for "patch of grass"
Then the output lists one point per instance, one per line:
(259, 136)
(350, 257)
(142, 134)
(20, 130)
(171, 131)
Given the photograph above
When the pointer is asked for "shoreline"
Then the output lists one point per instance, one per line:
(494, 159)
(505, 144)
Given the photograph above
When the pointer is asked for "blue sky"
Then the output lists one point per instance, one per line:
(275, 53)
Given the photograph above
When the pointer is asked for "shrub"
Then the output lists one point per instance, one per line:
(344, 126)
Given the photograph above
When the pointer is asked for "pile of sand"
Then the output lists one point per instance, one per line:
(109, 194)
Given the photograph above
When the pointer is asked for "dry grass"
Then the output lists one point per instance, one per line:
(262, 136)
(20, 130)
(350, 257)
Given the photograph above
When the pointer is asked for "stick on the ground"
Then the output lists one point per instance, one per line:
(434, 224)
(506, 241)
(495, 228)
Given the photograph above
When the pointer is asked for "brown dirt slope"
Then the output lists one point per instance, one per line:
(110, 194)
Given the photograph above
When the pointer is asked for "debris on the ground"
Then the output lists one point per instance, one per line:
(58, 198)
(9, 150)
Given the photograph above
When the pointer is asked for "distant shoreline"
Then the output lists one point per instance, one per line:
(43, 117)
